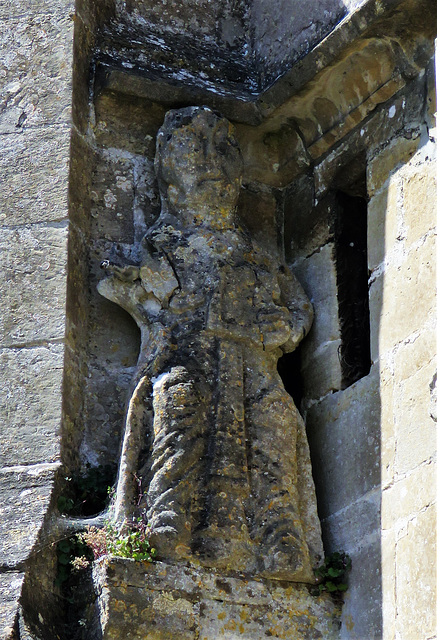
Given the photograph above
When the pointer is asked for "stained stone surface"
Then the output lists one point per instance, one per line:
(163, 602)
(26, 494)
(218, 443)
(10, 588)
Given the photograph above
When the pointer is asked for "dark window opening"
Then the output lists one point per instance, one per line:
(352, 284)
(289, 368)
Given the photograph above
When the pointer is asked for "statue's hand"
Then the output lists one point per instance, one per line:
(275, 327)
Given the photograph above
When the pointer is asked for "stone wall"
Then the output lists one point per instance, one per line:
(35, 110)
(402, 180)
(373, 443)
(325, 127)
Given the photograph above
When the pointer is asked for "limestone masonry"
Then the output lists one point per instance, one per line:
(253, 370)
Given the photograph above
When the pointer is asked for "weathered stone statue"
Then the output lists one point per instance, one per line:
(217, 442)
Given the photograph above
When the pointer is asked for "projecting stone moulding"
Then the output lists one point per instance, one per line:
(165, 602)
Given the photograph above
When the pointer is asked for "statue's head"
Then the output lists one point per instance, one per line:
(198, 164)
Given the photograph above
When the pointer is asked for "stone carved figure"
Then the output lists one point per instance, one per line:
(217, 442)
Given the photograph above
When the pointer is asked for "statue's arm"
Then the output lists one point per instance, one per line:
(294, 298)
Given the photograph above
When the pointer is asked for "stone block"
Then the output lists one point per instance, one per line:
(414, 425)
(272, 157)
(318, 276)
(30, 404)
(343, 89)
(35, 168)
(388, 438)
(36, 69)
(409, 495)
(401, 300)
(82, 167)
(103, 414)
(128, 123)
(420, 197)
(164, 602)
(33, 283)
(416, 577)
(308, 225)
(25, 496)
(376, 291)
(383, 222)
(415, 352)
(16, 8)
(388, 582)
(344, 437)
(321, 371)
(394, 156)
(245, 621)
(353, 526)
(83, 44)
(362, 609)
(112, 197)
(10, 591)
(371, 135)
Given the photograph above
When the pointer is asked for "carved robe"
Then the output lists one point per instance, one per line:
(220, 445)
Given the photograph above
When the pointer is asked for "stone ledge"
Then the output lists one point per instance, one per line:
(153, 602)
(25, 498)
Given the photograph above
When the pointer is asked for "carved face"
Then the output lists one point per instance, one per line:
(198, 165)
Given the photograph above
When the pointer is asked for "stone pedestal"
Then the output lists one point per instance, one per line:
(140, 601)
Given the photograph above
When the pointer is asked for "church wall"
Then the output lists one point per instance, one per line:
(36, 41)
(404, 177)
(371, 442)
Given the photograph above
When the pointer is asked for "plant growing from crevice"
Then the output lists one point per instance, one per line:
(67, 551)
(127, 541)
(331, 575)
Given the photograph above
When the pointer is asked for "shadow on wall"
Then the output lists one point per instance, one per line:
(341, 400)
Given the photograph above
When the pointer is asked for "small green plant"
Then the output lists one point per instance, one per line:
(128, 541)
(331, 575)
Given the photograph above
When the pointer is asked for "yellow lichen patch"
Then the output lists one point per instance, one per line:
(119, 606)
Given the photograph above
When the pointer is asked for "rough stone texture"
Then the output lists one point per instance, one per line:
(35, 172)
(416, 606)
(162, 601)
(29, 435)
(227, 481)
(35, 70)
(414, 425)
(36, 41)
(26, 492)
(382, 222)
(10, 589)
(344, 109)
(358, 621)
(281, 25)
(397, 291)
(397, 153)
(33, 283)
(352, 443)
(404, 338)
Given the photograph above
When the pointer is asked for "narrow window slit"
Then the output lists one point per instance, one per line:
(352, 285)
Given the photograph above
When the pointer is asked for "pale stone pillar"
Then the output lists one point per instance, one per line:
(36, 38)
